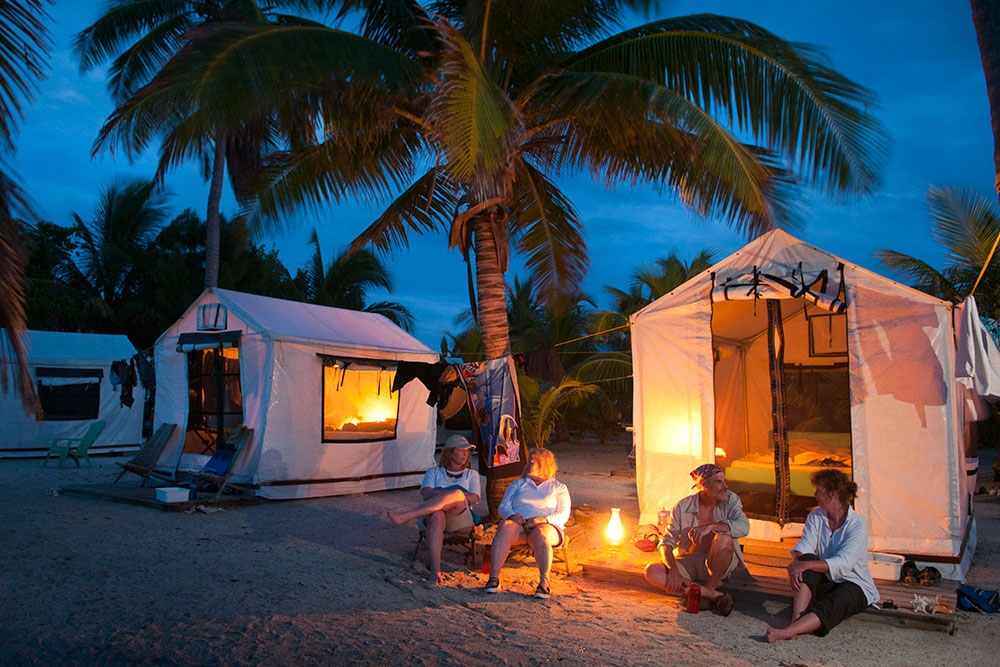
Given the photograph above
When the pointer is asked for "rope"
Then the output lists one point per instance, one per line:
(987, 262)
(599, 333)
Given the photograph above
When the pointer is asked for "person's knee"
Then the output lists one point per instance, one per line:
(724, 542)
(435, 520)
(655, 573)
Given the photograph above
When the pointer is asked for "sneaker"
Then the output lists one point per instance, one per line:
(493, 585)
(542, 593)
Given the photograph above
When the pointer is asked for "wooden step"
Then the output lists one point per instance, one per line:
(769, 581)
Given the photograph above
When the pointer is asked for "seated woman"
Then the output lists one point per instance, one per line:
(449, 490)
(829, 569)
(534, 510)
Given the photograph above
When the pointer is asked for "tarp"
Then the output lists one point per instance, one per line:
(703, 388)
(59, 359)
(283, 348)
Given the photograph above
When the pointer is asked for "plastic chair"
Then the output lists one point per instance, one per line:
(75, 448)
(144, 463)
(560, 553)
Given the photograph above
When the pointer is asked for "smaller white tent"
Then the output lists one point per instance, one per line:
(312, 382)
(72, 373)
(782, 360)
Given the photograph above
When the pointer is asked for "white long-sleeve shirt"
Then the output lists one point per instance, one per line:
(845, 550)
(548, 500)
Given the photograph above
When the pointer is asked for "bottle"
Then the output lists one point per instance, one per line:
(693, 599)
(662, 518)
(486, 560)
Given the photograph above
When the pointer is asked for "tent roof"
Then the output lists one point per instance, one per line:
(298, 322)
(55, 346)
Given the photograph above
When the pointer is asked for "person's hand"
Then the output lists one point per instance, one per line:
(675, 583)
(516, 518)
(795, 570)
(699, 533)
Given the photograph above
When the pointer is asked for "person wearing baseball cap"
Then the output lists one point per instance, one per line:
(449, 490)
(699, 542)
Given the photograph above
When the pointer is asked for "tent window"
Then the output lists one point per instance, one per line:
(358, 405)
(827, 335)
(69, 394)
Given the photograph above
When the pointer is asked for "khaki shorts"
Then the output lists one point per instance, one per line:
(453, 522)
(693, 567)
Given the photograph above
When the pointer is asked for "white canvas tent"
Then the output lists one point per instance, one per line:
(782, 347)
(72, 372)
(292, 372)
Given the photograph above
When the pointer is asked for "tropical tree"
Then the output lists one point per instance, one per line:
(966, 225)
(986, 19)
(504, 96)
(24, 47)
(346, 281)
(147, 43)
(108, 266)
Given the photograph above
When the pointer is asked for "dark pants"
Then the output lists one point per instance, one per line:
(832, 602)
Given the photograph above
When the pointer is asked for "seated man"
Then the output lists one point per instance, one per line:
(703, 527)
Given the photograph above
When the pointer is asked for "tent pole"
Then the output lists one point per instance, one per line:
(776, 362)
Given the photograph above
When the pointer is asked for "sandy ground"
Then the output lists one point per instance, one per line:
(329, 581)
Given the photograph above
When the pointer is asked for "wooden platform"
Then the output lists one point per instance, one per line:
(771, 580)
(136, 495)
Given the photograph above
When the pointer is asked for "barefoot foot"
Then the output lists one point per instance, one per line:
(778, 634)
(398, 520)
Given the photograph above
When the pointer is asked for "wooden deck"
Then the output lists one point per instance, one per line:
(771, 580)
(136, 495)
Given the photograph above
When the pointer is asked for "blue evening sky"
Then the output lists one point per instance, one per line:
(918, 56)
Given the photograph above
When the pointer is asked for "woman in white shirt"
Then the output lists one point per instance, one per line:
(449, 490)
(829, 569)
(534, 510)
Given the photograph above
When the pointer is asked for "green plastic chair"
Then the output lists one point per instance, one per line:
(75, 448)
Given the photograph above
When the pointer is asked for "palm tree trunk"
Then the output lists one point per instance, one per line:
(492, 299)
(212, 232)
(986, 19)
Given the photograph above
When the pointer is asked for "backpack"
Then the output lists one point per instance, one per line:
(978, 599)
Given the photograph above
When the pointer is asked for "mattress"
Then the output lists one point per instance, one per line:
(755, 472)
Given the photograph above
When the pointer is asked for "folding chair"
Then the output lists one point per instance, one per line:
(144, 463)
(220, 468)
(465, 538)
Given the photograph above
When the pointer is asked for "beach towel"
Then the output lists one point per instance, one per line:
(978, 599)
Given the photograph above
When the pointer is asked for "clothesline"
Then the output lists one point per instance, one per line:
(599, 333)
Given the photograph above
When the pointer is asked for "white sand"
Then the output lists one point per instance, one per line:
(329, 581)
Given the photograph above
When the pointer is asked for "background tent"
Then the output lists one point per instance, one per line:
(783, 359)
(73, 375)
(312, 382)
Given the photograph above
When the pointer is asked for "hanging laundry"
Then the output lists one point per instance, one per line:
(147, 374)
(428, 374)
(129, 380)
(119, 370)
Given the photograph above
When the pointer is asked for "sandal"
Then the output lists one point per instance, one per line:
(724, 604)
(492, 586)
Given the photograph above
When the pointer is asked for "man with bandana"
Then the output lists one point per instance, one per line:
(699, 542)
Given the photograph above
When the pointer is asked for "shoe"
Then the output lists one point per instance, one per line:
(724, 604)
(542, 593)
(493, 585)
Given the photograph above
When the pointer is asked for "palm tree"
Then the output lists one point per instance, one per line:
(23, 51)
(107, 270)
(346, 281)
(149, 42)
(965, 224)
(505, 96)
(986, 20)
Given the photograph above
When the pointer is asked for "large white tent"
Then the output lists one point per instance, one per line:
(783, 359)
(312, 382)
(73, 374)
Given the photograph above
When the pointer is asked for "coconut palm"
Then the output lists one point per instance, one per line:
(107, 270)
(508, 95)
(986, 19)
(147, 42)
(965, 224)
(24, 47)
(346, 281)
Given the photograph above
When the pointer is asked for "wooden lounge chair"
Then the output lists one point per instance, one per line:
(220, 468)
(75, 448)
(144, 463)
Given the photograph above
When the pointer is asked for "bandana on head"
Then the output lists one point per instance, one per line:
(704, 472)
